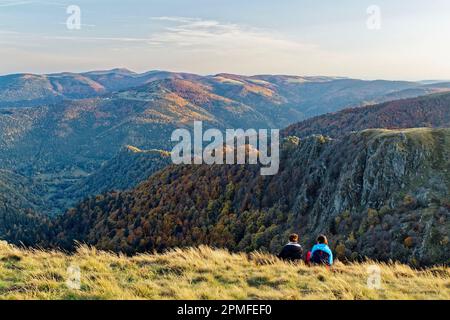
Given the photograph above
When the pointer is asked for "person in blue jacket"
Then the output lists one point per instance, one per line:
(321, 253)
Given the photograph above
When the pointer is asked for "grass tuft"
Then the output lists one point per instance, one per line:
(204, 273)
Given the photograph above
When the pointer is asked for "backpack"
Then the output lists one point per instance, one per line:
(320, 257)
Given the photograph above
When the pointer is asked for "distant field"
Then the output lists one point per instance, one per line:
(202, 273)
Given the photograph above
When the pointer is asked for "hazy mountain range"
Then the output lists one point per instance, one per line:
(35, 89)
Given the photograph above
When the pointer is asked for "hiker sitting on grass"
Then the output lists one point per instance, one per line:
(292, 251)
(321, 253)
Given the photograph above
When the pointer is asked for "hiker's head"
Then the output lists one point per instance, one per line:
(322, 239)
(293, 237)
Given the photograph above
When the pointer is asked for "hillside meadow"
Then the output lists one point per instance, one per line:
(203, 273)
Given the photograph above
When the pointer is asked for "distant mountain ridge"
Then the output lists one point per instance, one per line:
(36, 89)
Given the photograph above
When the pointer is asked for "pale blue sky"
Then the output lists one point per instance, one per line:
(303, 37)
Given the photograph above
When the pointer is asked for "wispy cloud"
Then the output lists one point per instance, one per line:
(174, 19)
(201, 35)
(204, 34)
(172, 42)
(15, 3)
(108, 39)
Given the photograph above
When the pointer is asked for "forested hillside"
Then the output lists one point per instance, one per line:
(427, 111)
(377, 193)
(20, 200)
(125, 171)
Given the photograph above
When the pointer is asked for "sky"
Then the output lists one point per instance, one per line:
(377, 39)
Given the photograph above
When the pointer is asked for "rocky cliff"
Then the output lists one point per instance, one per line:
(377, 193)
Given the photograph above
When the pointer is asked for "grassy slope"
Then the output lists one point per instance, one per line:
(204, 273)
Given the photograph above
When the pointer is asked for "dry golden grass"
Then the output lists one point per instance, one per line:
(204, 273)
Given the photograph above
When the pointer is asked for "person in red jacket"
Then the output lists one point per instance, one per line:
(308, 258)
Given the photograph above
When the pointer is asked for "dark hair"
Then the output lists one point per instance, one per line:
(322, 239)
(293, 237)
